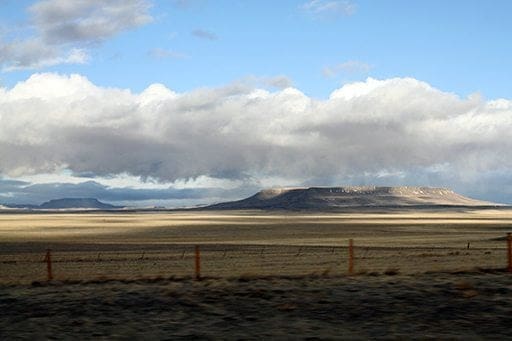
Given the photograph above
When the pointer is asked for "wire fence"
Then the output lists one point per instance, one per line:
(93, 262)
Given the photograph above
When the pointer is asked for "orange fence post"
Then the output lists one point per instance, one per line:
(350, 256)
(48, 259)
(198, 263)
(509, 253)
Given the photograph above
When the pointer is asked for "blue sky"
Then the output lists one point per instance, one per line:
(174, 98)
(457, 46)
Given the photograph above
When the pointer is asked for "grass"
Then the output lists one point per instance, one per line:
(127, 245)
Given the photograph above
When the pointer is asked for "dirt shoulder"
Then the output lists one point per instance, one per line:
(474, 305)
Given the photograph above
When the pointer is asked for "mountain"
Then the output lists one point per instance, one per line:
(88, 203)
(18, 206)
(328, 198)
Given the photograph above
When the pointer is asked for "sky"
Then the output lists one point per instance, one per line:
(184, 102)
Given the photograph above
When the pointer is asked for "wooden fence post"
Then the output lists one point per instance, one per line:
(198, 263)
(509, 251)
(48, 259)
(350, 256)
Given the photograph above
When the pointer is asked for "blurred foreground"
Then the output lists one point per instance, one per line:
(460, 306)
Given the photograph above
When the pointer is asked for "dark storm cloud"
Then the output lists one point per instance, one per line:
(7, 186)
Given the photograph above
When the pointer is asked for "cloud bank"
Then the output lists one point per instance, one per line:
(393, 131)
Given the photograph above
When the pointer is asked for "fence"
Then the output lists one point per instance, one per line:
(89, 262)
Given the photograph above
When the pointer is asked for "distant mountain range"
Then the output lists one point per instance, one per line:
(330, 198)
(303, 198)
(67, 203)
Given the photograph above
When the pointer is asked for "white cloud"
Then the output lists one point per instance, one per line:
(280, 82)
(348, 67)
(75, 56)
(399, 129)
(204, 34)
(329, 8)
(159, 53)
(63, 21)
(62, 30)
(187, 4)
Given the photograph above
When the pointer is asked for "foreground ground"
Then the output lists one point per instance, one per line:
(266, 275)
(461, 306)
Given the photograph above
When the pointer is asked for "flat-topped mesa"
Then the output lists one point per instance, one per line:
(325, 198)
(403, 190)
(76, 203)
(274, 192)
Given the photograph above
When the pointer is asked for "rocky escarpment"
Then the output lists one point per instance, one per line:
(319, 198)
(69, 203)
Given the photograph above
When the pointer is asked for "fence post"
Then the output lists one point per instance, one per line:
(198, 263)
(48, 259)
(350, 256)
(509, 251)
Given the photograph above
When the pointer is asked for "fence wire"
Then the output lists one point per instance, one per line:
(224, 261)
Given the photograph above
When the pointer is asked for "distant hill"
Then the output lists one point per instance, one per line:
(88, 203)
(328, 198)
(18, 206)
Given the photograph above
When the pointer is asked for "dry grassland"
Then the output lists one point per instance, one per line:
(264, 275)
(248, 243)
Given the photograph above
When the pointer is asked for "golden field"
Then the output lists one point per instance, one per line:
(263, 275)
(249, 243)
